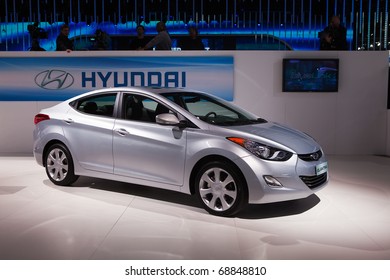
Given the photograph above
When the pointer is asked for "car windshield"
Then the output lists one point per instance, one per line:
(213, 111)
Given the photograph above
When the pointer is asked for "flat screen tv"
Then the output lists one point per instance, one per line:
(310, 75)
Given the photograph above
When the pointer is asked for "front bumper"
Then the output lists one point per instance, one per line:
(297, 177)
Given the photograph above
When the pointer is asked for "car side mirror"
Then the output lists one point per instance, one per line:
(167, 119)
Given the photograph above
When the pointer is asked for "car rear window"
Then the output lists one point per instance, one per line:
(102, 105)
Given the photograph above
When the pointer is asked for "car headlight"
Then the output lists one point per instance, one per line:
(262, 151)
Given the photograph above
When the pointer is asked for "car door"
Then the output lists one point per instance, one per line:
(144, 149)
(88, 128)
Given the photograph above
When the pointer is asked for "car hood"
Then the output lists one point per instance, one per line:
(293, 139)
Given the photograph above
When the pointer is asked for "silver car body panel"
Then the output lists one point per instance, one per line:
(91, 140)
(164, 156)
(149, 151)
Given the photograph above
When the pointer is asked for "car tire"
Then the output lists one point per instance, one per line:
(59, 165)
(221, 188)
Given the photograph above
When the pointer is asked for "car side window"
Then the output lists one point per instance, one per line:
(102, 105)
(141, 108)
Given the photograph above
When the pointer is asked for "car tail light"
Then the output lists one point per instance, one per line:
(40, 117)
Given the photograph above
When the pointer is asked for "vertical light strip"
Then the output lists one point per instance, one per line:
(39, 11)
(380, 31)
(352, 20)
(6, 26)
(377, 10)
(344, 20)
(201, 12)
(260, 11)
(327, 13)
(369, 25)
(374, 31)
(78, 12)
(135, 12)
(169, 11)
(1, 33)
(352, 11)
(361, 16)
(102, 11)
(362, 19)
(70, 12)
(119, 12)
(54, 17)
(226, 13)
(30, 6)
(293, 13)
(15, 16)
(356, 30)
(177, 16)
(310, 15)
(268, 11)
(386, 43)
(315, 31)
(144, 11)
(79, 20)
(303, 20)
(235, 10)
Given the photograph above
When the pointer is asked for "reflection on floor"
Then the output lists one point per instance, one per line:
(100, 219)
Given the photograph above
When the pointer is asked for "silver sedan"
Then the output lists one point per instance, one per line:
(185, 141)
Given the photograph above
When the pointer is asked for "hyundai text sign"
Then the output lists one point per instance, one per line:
(137, 78)
(59, 78)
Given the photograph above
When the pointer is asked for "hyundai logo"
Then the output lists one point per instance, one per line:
(54, 79)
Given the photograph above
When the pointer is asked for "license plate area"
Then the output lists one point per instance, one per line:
(321, 168)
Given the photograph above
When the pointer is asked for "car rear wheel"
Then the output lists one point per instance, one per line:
(221, 188)
(59, 165)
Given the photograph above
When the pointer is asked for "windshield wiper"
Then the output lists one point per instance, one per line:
(241, 122)
(233, 122)
(261, 120)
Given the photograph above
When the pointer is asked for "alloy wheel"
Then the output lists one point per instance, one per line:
(217, 189)
(57, 164)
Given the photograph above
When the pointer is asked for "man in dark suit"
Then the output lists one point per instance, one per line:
(334, 36)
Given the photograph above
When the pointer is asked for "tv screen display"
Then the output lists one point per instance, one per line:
(310, 75)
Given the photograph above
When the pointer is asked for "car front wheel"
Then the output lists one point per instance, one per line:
(59, 165)
(221, 188)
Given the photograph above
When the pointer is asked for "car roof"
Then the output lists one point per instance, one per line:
(146, 90)
(155, 90)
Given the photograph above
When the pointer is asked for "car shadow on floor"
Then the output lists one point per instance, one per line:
(279, 209)
(252, 211)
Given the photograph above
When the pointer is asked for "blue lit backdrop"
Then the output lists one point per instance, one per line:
(255, 24)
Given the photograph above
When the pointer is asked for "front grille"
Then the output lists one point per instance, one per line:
(311, 157)
(314, 181)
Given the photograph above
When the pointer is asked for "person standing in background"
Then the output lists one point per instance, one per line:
(103, 41)
(162, 41)
(193, 42)
(62, 42)
(140, 41)
(334, 36)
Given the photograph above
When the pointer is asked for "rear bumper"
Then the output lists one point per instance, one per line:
(38, 148)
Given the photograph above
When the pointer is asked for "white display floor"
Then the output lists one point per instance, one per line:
(100, 219)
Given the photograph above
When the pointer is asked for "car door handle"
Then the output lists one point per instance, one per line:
(69, 121)
(122, 132)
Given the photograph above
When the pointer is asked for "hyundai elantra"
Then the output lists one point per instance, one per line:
(180, 140)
